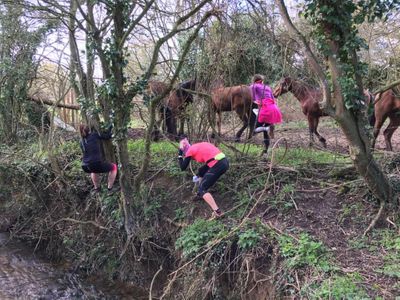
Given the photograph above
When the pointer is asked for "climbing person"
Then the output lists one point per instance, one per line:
(215, 164)
(93, 161)
(268, 112)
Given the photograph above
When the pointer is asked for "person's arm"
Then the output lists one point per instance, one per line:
(183, 163)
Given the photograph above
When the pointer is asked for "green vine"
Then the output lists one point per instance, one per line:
(335, 26)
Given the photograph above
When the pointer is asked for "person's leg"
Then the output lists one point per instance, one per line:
(111, 176)
(261, 127)
(266, 141)
(271, 131)
(209, 180)
(210, 201)
(96, 180)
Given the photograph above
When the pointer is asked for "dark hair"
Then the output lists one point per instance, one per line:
(258, 77)
(84, 130)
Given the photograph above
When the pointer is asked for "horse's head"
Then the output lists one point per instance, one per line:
(284, 86)
(188, 85)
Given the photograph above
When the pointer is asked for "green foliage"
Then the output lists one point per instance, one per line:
(243, 50)
(334, 22)
(284, 197)
(164, 155)
(303, 252)
(180, 214)
(249, 239)
(17, 65)
(339, 287)
(390, 242)
(196, 236)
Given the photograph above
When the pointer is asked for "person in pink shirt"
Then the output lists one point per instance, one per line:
(215, 164)
(268, 112)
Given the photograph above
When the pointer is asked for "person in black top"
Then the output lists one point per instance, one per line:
(93, 161)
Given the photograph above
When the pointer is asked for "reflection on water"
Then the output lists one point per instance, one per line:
(26, 276)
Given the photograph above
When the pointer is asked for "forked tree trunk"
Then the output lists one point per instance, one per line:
(353, 124)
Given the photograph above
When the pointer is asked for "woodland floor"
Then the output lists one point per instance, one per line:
(326, 209)
(332, 208)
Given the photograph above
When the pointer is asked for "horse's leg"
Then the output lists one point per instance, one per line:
(388, 132)
(219, 122)
(377, 127)
(182, 118)
(320, 138)
(170, 121)
(252, 123)
(311, 129)
(157, 123)
(245, 121)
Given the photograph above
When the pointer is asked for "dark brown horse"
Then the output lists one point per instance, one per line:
(238, 99)
(173, 105)
(177, 102)
(386, 105)
(309, 98)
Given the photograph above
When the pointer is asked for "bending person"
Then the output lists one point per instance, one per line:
(268, 113)
(93, 161)
(215, 164)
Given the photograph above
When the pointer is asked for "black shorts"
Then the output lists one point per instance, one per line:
(98, 167)
(212, 175)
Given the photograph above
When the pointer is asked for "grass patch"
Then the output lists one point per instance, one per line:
(339, 287)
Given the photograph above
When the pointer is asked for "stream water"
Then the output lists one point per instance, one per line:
(24, 275)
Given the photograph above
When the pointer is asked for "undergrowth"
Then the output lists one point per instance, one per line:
(241, 254)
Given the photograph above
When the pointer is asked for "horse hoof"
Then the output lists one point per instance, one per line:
(237, 140)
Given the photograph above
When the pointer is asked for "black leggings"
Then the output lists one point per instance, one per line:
(98, 167)
(211, 175)
(266, 134)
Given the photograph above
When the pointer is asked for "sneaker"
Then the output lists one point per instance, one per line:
(112, 190)
(96, 190)
(261, 129)
(216, 214)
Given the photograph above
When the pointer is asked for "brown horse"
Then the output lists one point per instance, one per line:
(238, 99)
(177, 102)
(309, 98)
(173, 105)
(386, 105)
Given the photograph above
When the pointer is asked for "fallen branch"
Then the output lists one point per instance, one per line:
(152, 282)
(53, 103)
(82, 222)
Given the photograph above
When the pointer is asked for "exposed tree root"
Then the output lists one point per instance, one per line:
(376, 219)
(82, 222)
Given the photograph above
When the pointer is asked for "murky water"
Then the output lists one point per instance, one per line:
(24, 275)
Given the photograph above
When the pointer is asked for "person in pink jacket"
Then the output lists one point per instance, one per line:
(215, 165)
(268, 112)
